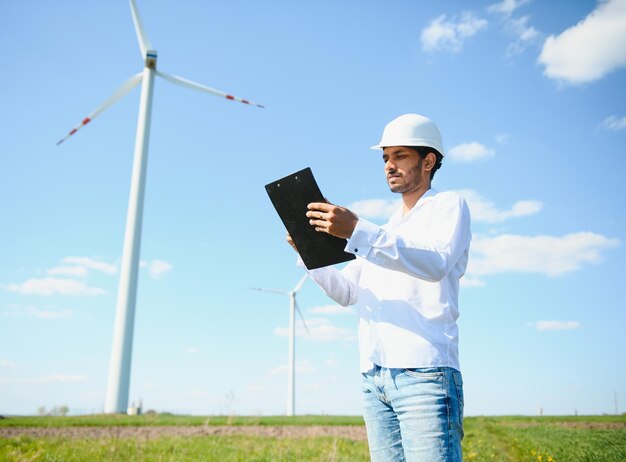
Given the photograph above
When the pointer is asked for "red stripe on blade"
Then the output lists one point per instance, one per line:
(230, 97)
(86, 121)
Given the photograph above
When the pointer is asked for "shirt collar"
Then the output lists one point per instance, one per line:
(426, 197)
(430, 193)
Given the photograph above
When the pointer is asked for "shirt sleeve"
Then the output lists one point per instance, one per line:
(340, 285)
(430, 258)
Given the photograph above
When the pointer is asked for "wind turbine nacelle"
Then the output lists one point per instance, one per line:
(151, 59)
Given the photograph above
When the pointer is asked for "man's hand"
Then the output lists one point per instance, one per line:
(291, 243)
(332, 219)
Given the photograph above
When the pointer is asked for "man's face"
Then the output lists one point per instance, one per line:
(403, 169)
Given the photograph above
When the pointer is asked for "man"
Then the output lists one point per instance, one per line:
(404, 284)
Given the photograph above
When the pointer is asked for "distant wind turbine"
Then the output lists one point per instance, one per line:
(119, 372)
(293, 307)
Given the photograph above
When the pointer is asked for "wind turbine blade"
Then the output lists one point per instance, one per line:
(122, 91)
(142, 38)
(282, 292)
(302, 318)
(196, 86)
(300, 283)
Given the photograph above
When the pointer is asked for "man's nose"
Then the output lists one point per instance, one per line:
(389, 166)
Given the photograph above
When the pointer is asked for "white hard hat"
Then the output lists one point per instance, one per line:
(411, 130)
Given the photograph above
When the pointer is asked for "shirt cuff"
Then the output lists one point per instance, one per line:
(363, 237)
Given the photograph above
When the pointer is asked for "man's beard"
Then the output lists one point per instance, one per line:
(414, 180)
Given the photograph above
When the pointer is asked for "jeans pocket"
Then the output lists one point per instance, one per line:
(424, 372)
(458, 385)
(366, 383)
(457, 380)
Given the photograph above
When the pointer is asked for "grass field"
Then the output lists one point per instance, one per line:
(102, 420)
(541, 439)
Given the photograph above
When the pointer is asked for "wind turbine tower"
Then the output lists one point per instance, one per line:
(293, 307)
(119, 371)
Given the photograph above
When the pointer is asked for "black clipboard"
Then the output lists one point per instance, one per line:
(290, 196)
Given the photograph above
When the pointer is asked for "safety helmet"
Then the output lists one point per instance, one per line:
(411, 130)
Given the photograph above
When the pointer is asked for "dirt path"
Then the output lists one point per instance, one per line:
(146, 432)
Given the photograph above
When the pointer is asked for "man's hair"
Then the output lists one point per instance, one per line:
(423, 152)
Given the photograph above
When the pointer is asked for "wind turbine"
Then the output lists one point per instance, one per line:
(119, 371)
(293, 307)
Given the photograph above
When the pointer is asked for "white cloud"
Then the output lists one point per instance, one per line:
(526, 35)
(613, 123)
(54, 378)
(8, 364)
(322, 384)
(506, 7)
(192, 350)
(157, 268)
(502, 138)
(555, 325)
(548, 255)
(53, 286)
(483, 210)
(302, 367)
(49, 314)
(256, 387)
(36, 312)
(525, 32)
(469, 281)
(330, 309)
(442, 34)
(376, 208)
(518, 27)
(314, 386)
(320, 330)
(469, 152)
(91, 263)
(46, 314)
(63, 378)
(78, 271)
(590, 49)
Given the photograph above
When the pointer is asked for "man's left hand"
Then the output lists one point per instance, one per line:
(332, 219)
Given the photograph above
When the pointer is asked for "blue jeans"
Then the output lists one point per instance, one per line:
(413, 414)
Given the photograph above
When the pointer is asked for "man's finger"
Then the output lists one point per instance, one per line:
(315, 214)
(291, 243)
(322, 206)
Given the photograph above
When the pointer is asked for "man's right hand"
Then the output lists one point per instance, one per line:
(290, 241)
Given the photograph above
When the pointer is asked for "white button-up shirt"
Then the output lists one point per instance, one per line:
(405, 285)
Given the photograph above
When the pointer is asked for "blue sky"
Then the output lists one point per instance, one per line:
(530, 98)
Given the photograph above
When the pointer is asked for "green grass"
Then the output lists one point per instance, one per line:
(222, 448)
(545, 439)
(502, 439)
(109, 420)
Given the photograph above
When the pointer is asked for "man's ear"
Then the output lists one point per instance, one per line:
(429, 161)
